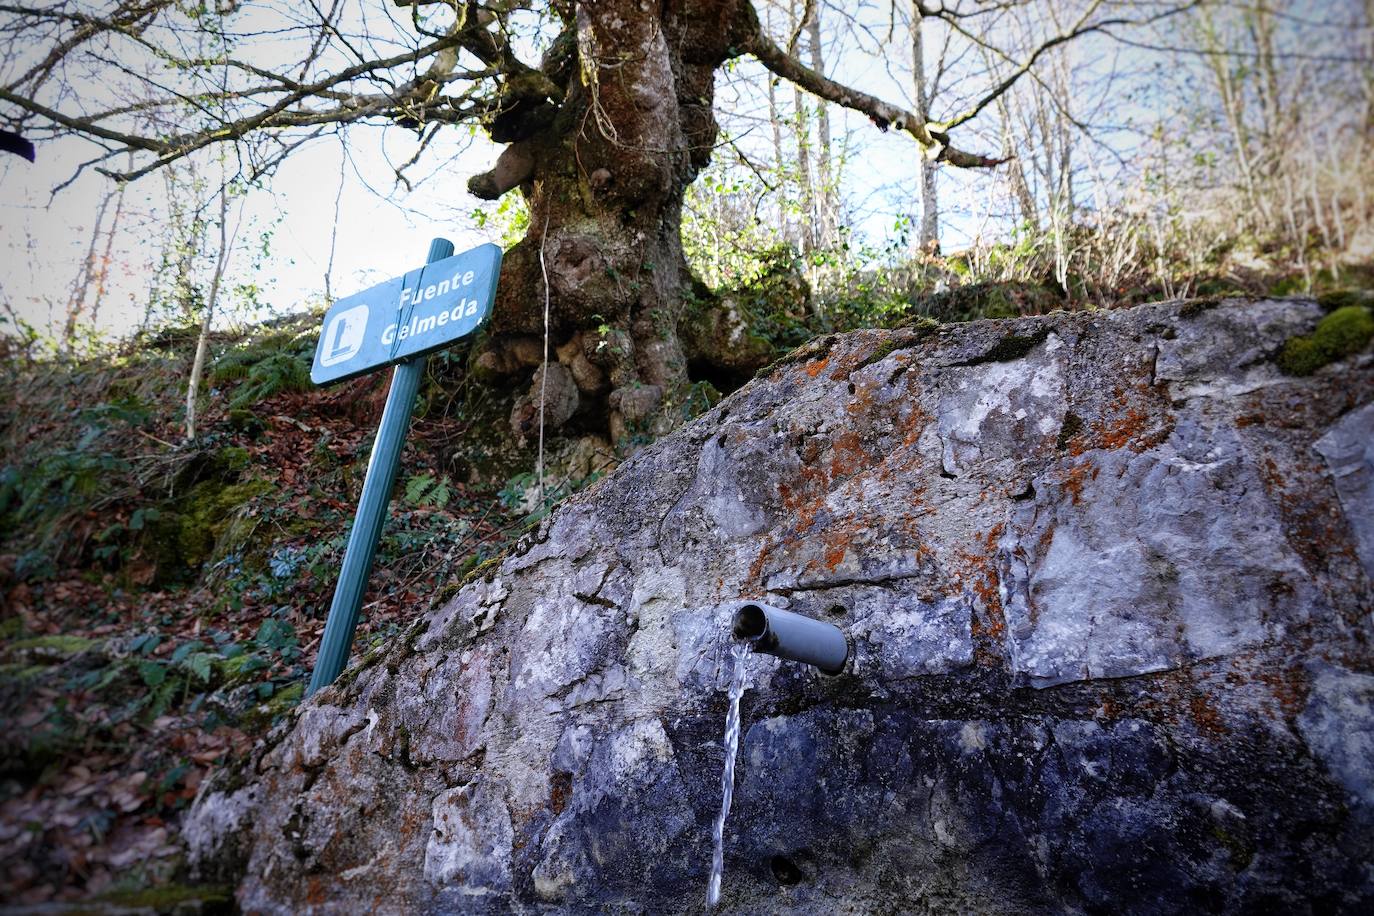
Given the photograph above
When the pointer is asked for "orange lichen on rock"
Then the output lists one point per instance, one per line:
(560, 790)
(1046, 538)
(1206, 715)
(1122, 431)
(816, 366)
(316, 893)
(847, 455)
(756, 568)
(804, 509)
(1290, 687)
(1076, 477)
(979, 574)
(1126, 421)
(835, 542)
(834, 556)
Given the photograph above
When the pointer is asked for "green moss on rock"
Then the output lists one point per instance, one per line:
(1011, 347)
(819, 348)
(882, 351)
(481, 570)
(1072, 426)
(243, 420)
(974, 301)
(206, 523)
(1198, 306)
(1343, 333)
(174, 898)
(233, 460)
(207, 515)
(261, 717)
(1341, 298)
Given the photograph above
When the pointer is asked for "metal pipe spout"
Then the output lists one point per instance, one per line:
(791, 636)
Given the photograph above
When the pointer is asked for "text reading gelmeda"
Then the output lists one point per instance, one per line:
(417, 326)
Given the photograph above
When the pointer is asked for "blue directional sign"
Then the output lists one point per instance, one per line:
(427, 309)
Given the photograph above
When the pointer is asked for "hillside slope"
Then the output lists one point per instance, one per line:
(161, 600)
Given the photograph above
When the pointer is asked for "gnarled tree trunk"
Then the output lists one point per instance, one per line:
(604, 175)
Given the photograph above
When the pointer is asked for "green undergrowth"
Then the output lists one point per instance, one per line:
(60, 645)
(164, 597)
(155, 586)
(133, 680)
(852, 288)
(980, 300)
(266, 364)
(172, 898)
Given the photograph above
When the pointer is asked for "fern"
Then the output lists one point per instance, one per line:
(231, 368)
(424, 490)
(272, 375)
(276, 363)
(416, 488)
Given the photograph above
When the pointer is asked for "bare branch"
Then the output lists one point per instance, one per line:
(808, 10)
(883, 114)
(82, 125)
(1080, 28)
(282, 113)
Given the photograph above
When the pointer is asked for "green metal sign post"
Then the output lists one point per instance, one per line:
(343, 352)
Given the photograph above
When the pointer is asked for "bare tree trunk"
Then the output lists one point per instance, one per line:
(1232, 106)
(1016, 172)
(334, 229)
(1063, 124)
(928, 236)
(828, 211)
(82, 287)
(805, 179)
(104, 275)
(203, 340)
(187, 238)
(779, 159)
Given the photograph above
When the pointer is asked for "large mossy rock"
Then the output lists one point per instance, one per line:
(1108, 579)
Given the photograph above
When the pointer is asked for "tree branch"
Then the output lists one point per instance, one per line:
(350, 107)
(81, 125)
(883, 114)
(1080, 28)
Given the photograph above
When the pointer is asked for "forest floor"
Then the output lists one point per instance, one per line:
(161, 601)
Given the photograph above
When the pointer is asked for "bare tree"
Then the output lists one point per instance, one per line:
(827, 208)
(928, 237)
(226, 248)
(92, 270)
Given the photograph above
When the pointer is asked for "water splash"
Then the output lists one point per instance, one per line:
(740, 653)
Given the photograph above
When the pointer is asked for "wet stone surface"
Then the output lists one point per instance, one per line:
(1107, 578)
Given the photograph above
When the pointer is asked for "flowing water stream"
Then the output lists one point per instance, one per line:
(739, 654)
